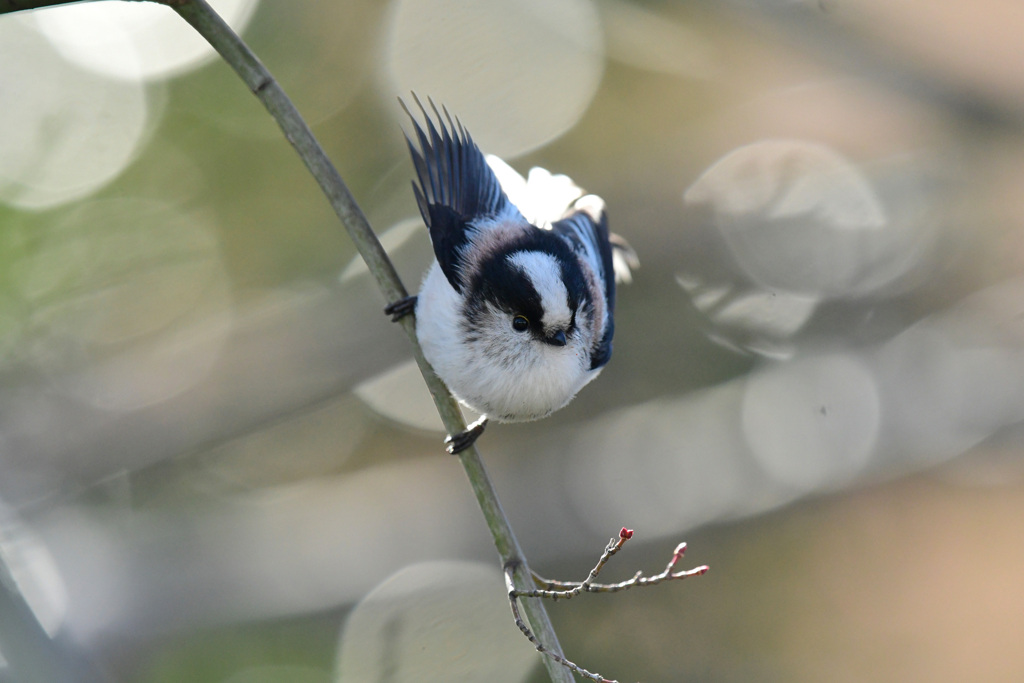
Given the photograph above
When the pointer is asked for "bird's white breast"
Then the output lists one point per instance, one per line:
(497, 372)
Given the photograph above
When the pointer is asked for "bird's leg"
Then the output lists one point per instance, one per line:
(401, 308)
(457, 443)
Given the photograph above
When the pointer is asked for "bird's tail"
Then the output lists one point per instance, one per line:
(542, 197)
(624, 258)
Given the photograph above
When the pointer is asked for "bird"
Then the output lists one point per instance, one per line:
(515, 314)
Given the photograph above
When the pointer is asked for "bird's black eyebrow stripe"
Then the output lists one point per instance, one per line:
(549, 243)
(504, 285)
(500, 282)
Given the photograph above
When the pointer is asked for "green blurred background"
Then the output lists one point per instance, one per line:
(217, 465)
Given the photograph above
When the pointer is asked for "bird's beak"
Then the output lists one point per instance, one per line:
(557, 339)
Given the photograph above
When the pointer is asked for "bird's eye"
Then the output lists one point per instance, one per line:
(520, 323)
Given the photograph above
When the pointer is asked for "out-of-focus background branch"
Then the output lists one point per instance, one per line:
(219, 465)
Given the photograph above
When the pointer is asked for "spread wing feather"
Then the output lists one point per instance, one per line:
(456, 191)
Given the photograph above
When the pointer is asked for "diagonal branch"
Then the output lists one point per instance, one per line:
(8, 6)
(258, 79)
(32, 656)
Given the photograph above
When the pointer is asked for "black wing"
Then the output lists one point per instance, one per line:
(456, 187)
(586, 231)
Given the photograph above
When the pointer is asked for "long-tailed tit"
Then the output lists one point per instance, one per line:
(515, 314)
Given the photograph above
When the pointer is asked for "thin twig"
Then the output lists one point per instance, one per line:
(555, 590)
(513, 596)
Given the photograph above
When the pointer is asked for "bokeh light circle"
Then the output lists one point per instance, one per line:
(813, 423)
(518, 73)
(800, 217)
(64, 132)
(408, 628)
(134, 40)
(129, 301)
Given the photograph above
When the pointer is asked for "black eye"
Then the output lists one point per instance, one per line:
(520, 323)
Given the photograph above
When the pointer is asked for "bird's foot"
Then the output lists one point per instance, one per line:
(457, 443)
(401, 308)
